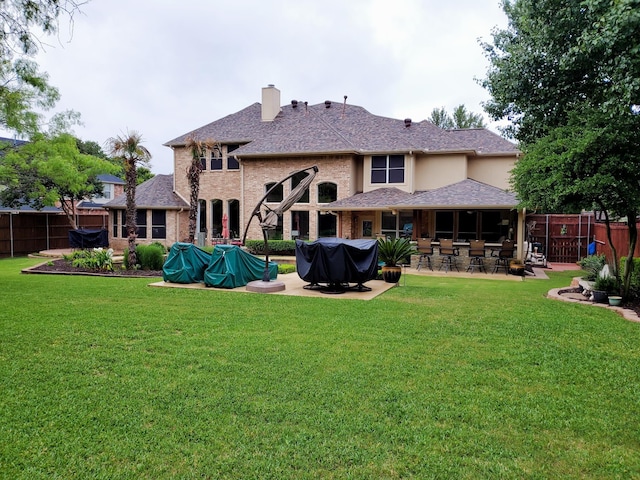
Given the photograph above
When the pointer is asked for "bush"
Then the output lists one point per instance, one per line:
(150, 257)
(286, 268)
(634, 286)
(592, 265)
(607, 283)
(276, 247)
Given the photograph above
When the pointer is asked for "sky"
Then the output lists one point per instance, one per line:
(165, 67)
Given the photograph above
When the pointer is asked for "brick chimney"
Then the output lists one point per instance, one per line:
(270, 103)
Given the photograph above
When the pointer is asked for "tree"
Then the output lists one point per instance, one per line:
(198, 150)
(93, 148)
(23, 89)
(569, 89)
(50, 171)
(132, 153)
(461, 118)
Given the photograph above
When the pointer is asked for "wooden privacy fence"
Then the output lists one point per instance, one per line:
(565, 238)
(25, 233)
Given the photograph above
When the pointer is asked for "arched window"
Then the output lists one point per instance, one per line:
(202, 216)
(295, 180)
(327, 192)
(216, 218)
(276, 195)
(234, 218)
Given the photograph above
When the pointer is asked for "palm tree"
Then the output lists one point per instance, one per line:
(198, 150)
(132, 153)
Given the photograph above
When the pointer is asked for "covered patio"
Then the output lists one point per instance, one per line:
(464, 211)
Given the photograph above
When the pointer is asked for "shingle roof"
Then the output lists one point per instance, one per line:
(108, 178)
(373, 200)
(465, 194)
(342, 128)
(157, 192)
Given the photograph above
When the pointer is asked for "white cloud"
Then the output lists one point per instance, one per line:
(164, 68)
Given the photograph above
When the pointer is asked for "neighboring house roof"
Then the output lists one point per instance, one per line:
(341, 128)
(108, 178)
(157, 192)
(465, 194)
(15, 142)
(28, 209)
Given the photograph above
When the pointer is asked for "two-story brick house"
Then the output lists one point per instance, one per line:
(376, 175)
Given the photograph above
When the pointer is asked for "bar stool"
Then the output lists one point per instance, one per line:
(449, 255)
(505, 254)
(426, 250)
(476, 256)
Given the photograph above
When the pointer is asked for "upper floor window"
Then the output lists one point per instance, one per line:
(387, 169)
(275, 195)
(327, 192)
(295, 180)
(232, 161)
(107, 192)
(216, 158)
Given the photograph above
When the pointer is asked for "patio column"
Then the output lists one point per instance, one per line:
(520, 228)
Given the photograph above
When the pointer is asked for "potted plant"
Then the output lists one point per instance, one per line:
(393, 252)
(604, 286)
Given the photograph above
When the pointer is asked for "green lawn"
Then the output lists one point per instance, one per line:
(441, 378)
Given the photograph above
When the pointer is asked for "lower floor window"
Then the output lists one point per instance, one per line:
(326, 225)
(158, 224)
(300, 224)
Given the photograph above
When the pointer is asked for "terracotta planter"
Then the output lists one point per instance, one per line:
(391, 274)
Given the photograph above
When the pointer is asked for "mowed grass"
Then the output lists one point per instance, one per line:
(439, 378)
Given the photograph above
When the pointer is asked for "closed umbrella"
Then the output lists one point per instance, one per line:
(225, 226)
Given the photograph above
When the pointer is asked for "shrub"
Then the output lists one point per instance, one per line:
(286, 268)
(634, 287)
(592, 265)
(150, 257)
(97, 259)
(607, 283)
(277, 247)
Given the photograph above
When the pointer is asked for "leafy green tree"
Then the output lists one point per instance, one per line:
(93, 148)
(48, 172)
(569, 88)
(440, 118)
(129, 149)
(461, 118)
(23, 89)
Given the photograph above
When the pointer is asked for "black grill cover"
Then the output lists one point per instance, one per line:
(336, 261)
(88, 238)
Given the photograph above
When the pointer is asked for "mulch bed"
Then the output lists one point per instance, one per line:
(62, 266)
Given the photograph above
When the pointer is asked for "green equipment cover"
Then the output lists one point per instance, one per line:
(185, 263)
(232, 267)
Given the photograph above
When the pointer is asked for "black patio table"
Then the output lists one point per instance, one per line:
(332, 264)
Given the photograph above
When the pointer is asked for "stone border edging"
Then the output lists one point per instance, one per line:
(628, 314)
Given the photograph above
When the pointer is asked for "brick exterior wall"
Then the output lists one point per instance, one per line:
(248, 186)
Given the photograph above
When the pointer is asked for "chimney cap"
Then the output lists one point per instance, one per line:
(327, 103)
(407, 122)
(294, 103)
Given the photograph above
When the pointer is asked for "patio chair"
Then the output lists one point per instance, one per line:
(476, 256)
(426, 250)
(504, 256)
(449, 255)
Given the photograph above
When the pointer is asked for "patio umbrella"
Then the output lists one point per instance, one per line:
(225, 226)
(270, 221)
